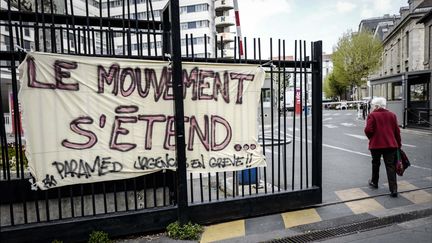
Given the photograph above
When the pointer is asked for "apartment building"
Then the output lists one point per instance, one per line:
(202, 22)
(28, 36)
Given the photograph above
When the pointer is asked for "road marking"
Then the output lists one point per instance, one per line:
(336, 114)
(349, 114)
(408, 145)
(347, 124)
(326, 114)
(361, 206)
(419, 167)
(346, 150)
(330, 126)
(300, 217)
(327, 119)
(223, 231)
(362, 137)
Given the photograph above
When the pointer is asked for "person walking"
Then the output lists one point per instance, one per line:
(383, 132)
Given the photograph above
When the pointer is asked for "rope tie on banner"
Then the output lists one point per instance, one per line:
(168, 56)
(33, 185)
(268, 63)
(20, 48)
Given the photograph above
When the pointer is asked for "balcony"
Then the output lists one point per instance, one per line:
(224, 5)
(224, 21)
(227, 37)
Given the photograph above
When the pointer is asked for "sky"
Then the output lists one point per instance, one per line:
(309, 20)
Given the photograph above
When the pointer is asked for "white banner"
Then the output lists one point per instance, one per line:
(91, 119)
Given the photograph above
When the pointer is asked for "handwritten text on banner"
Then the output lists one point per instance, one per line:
(91, 119)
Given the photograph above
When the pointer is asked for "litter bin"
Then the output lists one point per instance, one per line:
(243, 177)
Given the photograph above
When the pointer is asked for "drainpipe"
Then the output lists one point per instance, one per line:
(405, 96)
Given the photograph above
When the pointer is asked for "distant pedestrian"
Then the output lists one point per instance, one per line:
(364, 111)
(384, 139)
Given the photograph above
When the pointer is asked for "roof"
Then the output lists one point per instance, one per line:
(418, 12)
(425, 18)
(372, 23)
(425, 4)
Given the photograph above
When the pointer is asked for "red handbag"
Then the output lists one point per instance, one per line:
(401, 162)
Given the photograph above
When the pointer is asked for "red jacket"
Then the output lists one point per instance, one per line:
(382, 129)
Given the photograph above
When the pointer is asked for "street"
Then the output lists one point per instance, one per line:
(346, 158)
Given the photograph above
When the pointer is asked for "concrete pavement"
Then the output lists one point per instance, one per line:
(355, 207)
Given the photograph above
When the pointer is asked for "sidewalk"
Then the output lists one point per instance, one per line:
(359, 210)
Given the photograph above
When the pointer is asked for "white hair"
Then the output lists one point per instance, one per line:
(379, 102)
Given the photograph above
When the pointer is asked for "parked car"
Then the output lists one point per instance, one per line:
(342, 106)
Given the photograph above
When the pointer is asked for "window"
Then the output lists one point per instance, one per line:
(397, 91)
(389, 91)
(379, 90)
(27, 45)
(191, 9)
(194, 24)
(418, 92)
(407, 44)
(194, 8)
(398, 50)
(429, 44)
(26, 31)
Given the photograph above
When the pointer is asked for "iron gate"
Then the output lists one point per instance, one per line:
(291, 138)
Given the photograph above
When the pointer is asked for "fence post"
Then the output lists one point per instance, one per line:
(179, 112)
(317, 115)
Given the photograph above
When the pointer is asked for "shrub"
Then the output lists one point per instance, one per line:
(187, 231)
(57, 241)
(99, 237)
(11, 155)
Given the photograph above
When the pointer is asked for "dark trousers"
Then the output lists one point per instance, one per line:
(389, 157)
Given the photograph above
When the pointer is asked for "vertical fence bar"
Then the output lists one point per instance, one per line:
(294, 116)
(272, 113)
(104, 197)
(82, 199)
(59, 202)
(135, 194)
(71, 199)
(191, 187)
(286, 82)
(301, 113)
(262, 112)
(145, 191)
(306, 115)
(125, 195)
(93, 199)
(201, 187)
(317, 115)
(278, 112)
(256, 174)
(179, 111)
(43, 26)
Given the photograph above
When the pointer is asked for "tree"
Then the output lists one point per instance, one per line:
(357, 56)
(334, 87)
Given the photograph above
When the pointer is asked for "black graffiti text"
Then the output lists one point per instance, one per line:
(80, 168)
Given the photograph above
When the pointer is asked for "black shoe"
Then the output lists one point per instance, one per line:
(373, 185)
(394, 194)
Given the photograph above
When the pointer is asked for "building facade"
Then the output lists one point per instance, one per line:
(405, 76)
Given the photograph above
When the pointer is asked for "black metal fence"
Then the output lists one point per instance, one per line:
(290, 136)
